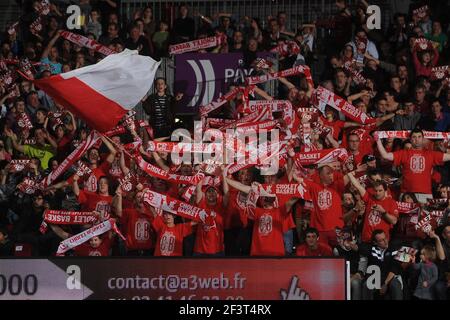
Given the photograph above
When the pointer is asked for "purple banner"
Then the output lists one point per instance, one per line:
(204, 77)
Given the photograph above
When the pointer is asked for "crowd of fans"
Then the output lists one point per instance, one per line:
(399, 90)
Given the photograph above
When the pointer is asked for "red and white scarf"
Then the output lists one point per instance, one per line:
(357, 77)
(24, 122)
(28, 186)
(198, 44)
(422, 44)
(172, 205)
(432, 135)
(70, 160)
(287, 48)
(86, 42)
(86, 235)
(155, 171)
(83, 169)
(406, 207)
(421, 12)
(217, 122)
(439, 73)
(128, 182)
(290, 190)
(8, 78)
(262, 115)
(69, 217)
(36, 26)
(263, 64)
(27, 68)
(326, 97)
(230, 95)
(281, 74)
(18, 165)
(321, 156)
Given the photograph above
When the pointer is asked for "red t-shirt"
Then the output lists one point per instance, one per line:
(267, 238)
(354, 160)
(232, 215)
(373, 219)
(417, 166)
(336, 126)
(338, 180)
(323, 250)
(288, 221)
(170, 239)
(327, 212)
(90, 183)
(209, 235)
(85, 249)
(91, 201)
(138, 231)
(64, 146)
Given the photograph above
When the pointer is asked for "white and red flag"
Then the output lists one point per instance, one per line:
(103, 93)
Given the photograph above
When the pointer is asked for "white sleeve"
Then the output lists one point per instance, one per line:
(372, 49)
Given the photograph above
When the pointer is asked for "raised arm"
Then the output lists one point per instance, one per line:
(50, 140)
(112, 150)
(198, 192)
(74, 122)
(387, 155)
(290, 203)
(160, 162)
(446, 157)
(52, 42)
(439, 248)
(263, 94)
(225, 188)
(15, 144)
(237, 185)
(356, 184)
(286, 82)
(329, 138)
(60, 232)
(117, 201)
(75, 186)
(122, 163)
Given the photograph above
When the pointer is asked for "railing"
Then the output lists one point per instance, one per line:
(298, 12)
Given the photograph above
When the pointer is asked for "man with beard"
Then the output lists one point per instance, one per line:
(312, 247)
(381, 210)
(417, 165)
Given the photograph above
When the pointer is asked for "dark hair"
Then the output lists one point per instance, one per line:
(353, 133)
(311, 230)
(375, 233)
(337, 70)
(19, 99)
(411, 194)
(373, 172)
(433, 100)
(416, 130)
(43, 110)
(380, 183)
(4, 231)
(405, 142)
(115, 25)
